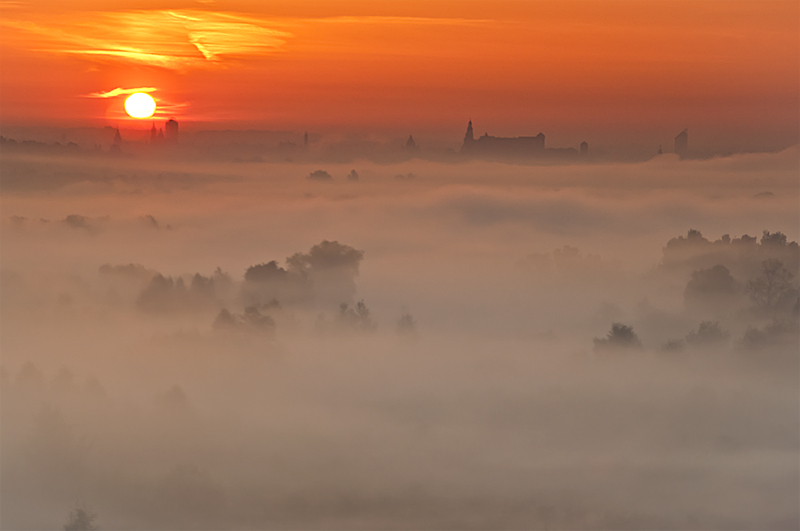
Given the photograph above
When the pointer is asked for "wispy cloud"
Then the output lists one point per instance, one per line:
(13, 4)
(173, 39)
(183, 39)
(120, 91)
(424, 21)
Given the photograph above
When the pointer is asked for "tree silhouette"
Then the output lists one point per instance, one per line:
(771, 286)
(711, 288)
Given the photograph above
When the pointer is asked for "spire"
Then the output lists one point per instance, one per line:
(469, 137)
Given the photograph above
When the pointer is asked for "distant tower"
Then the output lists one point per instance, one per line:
(153, 133)
(117, 138)
(470, 136)
(540, 141)
(410, 144)
(660, 151)
(305, 140)
(171, 134)
(682, 143)
(584, 149)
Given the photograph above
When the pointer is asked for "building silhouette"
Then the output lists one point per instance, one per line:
(116, 144)
(171, 131)
(682, 143)
(520, 146)
(156, 135)
(584, 149)
(410, 144)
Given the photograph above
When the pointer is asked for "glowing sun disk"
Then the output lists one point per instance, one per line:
(140, 105)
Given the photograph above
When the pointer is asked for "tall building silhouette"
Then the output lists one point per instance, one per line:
(469, 137)
(682, 143)
(584, 149)
(116, 144)
(171, 131)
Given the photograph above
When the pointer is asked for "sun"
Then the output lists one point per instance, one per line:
(140, 105)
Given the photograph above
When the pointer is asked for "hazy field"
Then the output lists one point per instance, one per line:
(150, 372)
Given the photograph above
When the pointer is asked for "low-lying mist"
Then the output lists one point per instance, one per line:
(415, 346)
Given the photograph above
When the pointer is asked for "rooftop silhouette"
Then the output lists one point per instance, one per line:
(488, 146)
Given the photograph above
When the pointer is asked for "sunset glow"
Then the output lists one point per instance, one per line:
(600, 68)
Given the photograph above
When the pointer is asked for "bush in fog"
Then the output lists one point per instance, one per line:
(712, 289)
(406, 325)
(777, 333)
(356, 317)
(252, 318)
(673, 346)
(165, 294)
(80, 519)
(325, 274)
(742, 256)
(266, 272)
(708, 333)
(320, 175)
(620, 337)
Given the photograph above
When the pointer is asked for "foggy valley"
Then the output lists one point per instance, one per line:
(410, 344)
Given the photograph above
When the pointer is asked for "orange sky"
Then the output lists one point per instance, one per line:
(514, 67)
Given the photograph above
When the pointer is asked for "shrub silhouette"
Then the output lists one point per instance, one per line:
(81, 519)
(621, 337)
(406, 325)
(320, 175)
(356, 317)
(708, 333)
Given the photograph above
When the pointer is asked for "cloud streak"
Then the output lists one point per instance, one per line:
(172, 39)
(119, 92)
(184, 38)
